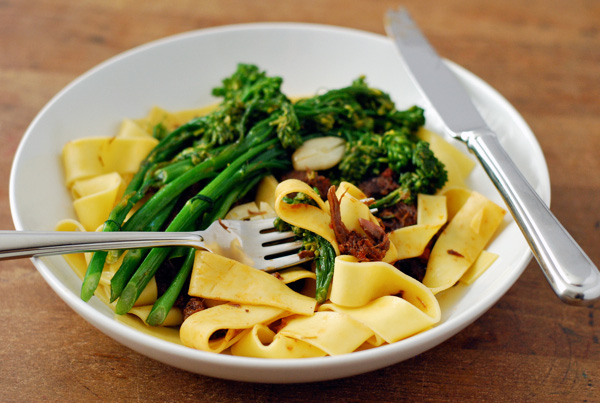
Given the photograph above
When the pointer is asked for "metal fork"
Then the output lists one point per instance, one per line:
(256, 242)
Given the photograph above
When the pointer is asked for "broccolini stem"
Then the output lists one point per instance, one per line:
(163, 305)
(130, 263)
(394, 197)
(230, 178)
(134, 257)
(136, 189)
(204, 170)
(324, 261)
(224, 204)
(134, 192)
(172, 171)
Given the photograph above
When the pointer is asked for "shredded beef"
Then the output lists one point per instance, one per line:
(312, 178)
(277, 325)
(369, 247)
(398, 216)
(393, 217)
(306, 254)
(414, 267)
(193, 305)
(379, 186)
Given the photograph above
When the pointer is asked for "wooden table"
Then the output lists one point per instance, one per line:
(544, 57)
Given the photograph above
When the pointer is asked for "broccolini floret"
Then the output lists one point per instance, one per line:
(378, 136)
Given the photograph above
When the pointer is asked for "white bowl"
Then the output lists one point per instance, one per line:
(179, 73)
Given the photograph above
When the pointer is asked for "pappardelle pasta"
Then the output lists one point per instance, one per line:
(379, 202)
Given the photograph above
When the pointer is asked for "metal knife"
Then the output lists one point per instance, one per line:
(573, 276)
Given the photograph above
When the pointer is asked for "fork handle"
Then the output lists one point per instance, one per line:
(570, 272)
(23, 244)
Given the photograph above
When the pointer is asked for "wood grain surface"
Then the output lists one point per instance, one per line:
(543, 56)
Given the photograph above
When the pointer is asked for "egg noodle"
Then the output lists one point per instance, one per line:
(257, 314)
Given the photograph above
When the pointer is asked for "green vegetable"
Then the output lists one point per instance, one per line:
(325, 260)
(324, 257)
(135, 256)
(163, 305)
(206, 169)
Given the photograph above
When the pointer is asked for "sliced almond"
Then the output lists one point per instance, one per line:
(319, 153)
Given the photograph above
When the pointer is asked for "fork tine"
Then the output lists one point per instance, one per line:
(282, 248)
(275, 236)
(269, 249)
(267, 232)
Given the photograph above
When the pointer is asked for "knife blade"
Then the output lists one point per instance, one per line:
(573, 276)
(437, 83)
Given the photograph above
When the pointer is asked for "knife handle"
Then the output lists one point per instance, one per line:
(570, 272)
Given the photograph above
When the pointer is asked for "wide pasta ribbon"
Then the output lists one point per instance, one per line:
(392, 318)
(479, 266)
(357, 283)
(382, 298)
(131, 129)
(93, 156)
(217, 328)
(332, 332)
(262, 342)
(295, 273)
(252, 300)
(95, 197)
(217, 277)
(462, 241)
(313, 218)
